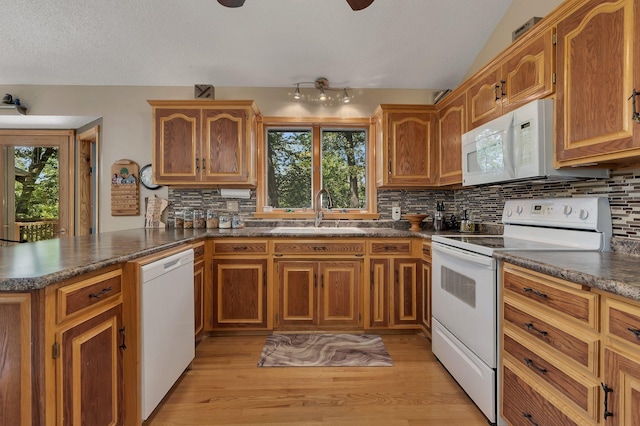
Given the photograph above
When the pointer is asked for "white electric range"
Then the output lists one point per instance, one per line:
(465, 282)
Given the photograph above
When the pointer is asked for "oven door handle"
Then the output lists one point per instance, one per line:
(466, 255)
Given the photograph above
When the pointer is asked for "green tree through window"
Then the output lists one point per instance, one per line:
(291, 165)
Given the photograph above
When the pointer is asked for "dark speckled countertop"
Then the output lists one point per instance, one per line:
(614, 272)
(30, 266)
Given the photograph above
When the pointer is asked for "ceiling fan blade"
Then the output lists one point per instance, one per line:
(231, 3)
(359, 4)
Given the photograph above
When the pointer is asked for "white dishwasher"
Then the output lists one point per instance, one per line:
(167, 310)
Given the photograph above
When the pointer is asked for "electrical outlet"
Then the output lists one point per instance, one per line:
(233, 206)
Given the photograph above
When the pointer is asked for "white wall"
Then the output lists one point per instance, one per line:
(126, 120)
(518, 13)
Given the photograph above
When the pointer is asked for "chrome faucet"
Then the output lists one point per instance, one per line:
(318, 207)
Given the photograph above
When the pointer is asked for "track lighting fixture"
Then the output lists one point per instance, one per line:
(321, 84)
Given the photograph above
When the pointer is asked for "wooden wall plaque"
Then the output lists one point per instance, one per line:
(125, 188)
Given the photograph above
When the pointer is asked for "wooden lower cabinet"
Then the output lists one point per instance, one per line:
(86, 331)
(394, 293)
(15, 359)
(323, 294)
(426, 296)
(622, 387)
(90, 371)
(239, 294)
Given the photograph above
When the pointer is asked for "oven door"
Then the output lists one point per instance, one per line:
(464, 298)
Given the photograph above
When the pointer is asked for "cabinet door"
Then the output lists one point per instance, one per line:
(411, 148)
(622, 376)
(15, 359)
(240, 296)
(598, 51)
(527, 73)
(406, 291)
(339, 293)
(452, 124)
(225, 157)
(198, 297)
(484, 98)
(297, 286)
(379, 293)
(90, 370)
(426, 296)
(176, 143)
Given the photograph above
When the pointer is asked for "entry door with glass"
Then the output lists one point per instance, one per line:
(37, 184)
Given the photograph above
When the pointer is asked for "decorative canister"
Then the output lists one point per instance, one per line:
(188, 218)
(212, 219)
(199, 222)
(224, 221)
(236, 221)
(179, 222)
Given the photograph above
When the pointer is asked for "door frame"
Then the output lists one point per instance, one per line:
(87, 220)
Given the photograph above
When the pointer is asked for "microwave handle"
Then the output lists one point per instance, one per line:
(509, 145)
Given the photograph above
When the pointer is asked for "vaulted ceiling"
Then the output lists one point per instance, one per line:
(403, 44)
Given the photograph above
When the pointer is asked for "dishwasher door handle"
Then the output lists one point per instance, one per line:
(170, 266)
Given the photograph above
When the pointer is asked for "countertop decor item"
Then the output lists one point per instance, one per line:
(415, 220)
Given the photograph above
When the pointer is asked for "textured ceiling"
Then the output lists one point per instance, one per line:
(394, 44)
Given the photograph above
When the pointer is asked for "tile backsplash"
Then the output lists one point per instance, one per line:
(486, 203)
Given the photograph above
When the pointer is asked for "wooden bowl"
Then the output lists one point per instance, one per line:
(415, 220)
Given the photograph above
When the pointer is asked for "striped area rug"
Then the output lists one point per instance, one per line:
(324, 350)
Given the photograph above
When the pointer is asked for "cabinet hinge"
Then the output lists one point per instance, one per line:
(553, 78)
(277, 317)
(359, 317)
(554, 39)
(56, 350)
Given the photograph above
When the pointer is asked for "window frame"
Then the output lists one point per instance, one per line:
(316, 125)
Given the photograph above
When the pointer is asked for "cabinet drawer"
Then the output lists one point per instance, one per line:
(426, 251)
(74, 298)
(523, 405)
(622, 321)
(198, 249)
(391, 247)
(577, 346)
(240, 247)
(567, 300)
(318, 247)
(575, 388)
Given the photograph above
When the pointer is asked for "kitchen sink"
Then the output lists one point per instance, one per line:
(312, 230)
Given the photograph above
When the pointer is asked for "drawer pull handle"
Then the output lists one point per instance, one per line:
(635, 331)
(240, 248)
(530, 326)
(533, 365)
(101, 293)
(530, 418)
(319, 248)
(606, 390)
(536, 292)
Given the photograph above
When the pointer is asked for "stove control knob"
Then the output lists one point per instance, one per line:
(567, 210)
(583, 215)
(519, 209)
(509, 212)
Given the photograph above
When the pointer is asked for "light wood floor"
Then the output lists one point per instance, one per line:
(224, 387)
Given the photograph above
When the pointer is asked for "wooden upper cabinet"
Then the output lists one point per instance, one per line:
(528, 71)
(522, 74)
(451, 125)
(203, 143)
(598, 54)
(176, 144)
(405, 146)
(484, 97)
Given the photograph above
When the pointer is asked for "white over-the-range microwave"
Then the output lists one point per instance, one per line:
(517, 146)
